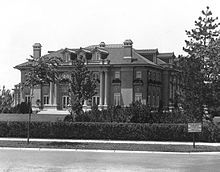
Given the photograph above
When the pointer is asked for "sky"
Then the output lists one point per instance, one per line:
(60, 24)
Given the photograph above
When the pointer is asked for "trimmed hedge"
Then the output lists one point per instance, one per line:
(112, 131)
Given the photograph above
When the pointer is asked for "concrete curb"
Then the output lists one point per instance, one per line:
(107, 151)
(109, 141)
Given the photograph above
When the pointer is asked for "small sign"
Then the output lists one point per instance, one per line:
(194, 127)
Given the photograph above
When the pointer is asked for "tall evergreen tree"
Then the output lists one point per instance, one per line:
(197, 67)
(6, 100)
(82, 85)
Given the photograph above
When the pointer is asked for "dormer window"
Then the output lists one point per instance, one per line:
(171, 60)
(138, 74)
(97, 56)
(67, 57)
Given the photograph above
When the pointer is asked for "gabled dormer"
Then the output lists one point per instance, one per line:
(68, 55)
(99, 54)
(84, 54)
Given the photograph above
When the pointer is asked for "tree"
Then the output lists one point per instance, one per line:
(43, 70)
(82, 85)
(212, 77)
(5, 100)
(200, 68)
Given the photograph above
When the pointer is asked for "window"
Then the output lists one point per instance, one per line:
(95, 100)
(96, 76)
(138, 74)
(149, 100)
(159, 76)
(149, 74)
(170, 61)
(65, 101)
(157, 101)
(153, 102)
(154, 76)
(46, 99)
(138, 97)
(27, 98)
(67, 57)
(117, 99)
(117, 75)
(171, 91)
(97, 56)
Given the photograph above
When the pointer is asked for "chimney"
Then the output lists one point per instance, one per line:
(102, 44)
(127, 48)
(37, 50)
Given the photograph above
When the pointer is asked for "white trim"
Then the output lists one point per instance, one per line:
(127, 57)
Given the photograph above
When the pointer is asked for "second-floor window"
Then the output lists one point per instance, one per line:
(117, 75)
(96, 76)
(138, 74)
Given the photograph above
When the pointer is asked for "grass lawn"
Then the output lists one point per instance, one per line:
(111, 146)
(34, 117)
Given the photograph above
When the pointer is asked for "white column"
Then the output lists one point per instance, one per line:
(21, 95)
(85, 103)
(101, 90)
(106, 89)
(51, 93)
(55, 94)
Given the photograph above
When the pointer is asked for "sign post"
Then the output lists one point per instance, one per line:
(194, 128)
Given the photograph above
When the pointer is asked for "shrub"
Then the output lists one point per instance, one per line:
(24, 107)
(136, 113)
(113, 131)
(16, 109)
(68, 118)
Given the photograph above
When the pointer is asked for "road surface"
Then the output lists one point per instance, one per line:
(52, 161)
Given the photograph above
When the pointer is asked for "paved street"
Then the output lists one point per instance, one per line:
(28, 160)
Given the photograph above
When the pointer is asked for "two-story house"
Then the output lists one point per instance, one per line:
(124, 75)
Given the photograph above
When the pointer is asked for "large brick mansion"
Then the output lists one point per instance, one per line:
(125, 74)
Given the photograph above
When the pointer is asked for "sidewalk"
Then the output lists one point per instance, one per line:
(109, 141)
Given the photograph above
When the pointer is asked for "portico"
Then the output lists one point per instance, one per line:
(51, 108)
